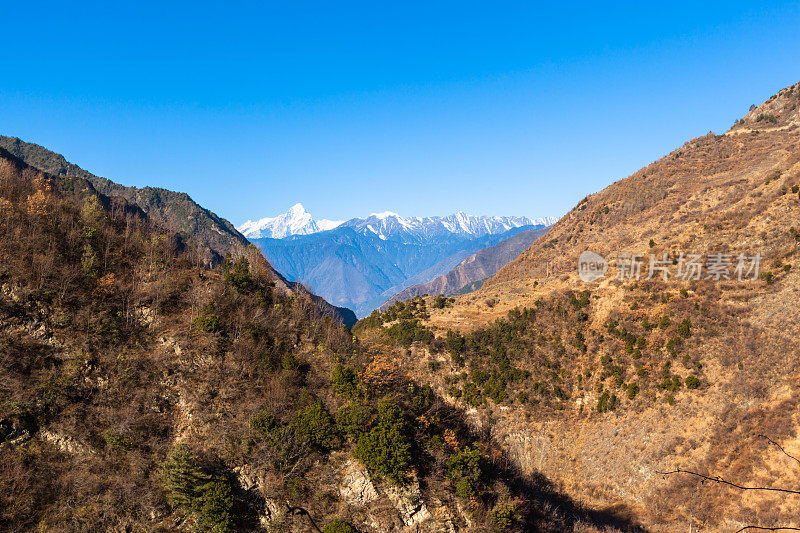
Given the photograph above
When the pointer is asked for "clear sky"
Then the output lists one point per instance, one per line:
(422, 108)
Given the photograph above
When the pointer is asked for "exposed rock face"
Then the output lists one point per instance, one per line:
(357, 487)
(408, 501)
(65, 443)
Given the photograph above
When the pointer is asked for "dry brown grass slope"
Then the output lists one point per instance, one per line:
(731, 193)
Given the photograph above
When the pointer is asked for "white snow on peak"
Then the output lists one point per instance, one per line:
(325, 225)
(297, 210)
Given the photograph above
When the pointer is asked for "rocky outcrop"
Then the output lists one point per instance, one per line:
(65, 443)
(357, 487)
(408, 501)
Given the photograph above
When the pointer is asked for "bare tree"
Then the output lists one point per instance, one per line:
(721, 481)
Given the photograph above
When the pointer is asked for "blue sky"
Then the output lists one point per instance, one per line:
(356, 107)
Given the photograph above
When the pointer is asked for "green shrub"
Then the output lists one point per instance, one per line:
(685, 328)
(455, 342)
(189, 488)
(181, 477)
(89, 262)
(214, 506)
(386, 449)
(672, 346)
(466, 470)
(580, 301)
(420, 397)
(337, 525)
(353, 419)
(289, 361)
(264, 423)
(559, 392)
(607, 402)
(374, 320)
(440, 302)
(208, 320)
(344, 381)
(406, 332)
(692, 382)
(116, 441)
(633, 390)
(504, 515)
(315, 427)
(479, 376)
(671, 384)
(238, 276)
(473, 395)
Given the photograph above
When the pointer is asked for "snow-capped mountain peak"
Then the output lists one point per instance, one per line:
(296, 221)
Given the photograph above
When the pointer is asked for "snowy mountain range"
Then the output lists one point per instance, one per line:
(362, 262)
(389, 226)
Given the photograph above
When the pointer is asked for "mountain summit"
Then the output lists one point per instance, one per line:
(296, 221)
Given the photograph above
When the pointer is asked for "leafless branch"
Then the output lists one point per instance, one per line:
(795, 459)
(718, 479)
(764, 528)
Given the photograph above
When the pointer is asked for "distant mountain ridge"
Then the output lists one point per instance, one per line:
(479, 266)
(389, 225)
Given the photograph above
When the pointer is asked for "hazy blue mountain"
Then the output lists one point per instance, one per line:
(361, 264)
(469, 274)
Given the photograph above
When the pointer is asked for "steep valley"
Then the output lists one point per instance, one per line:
(143, 390)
